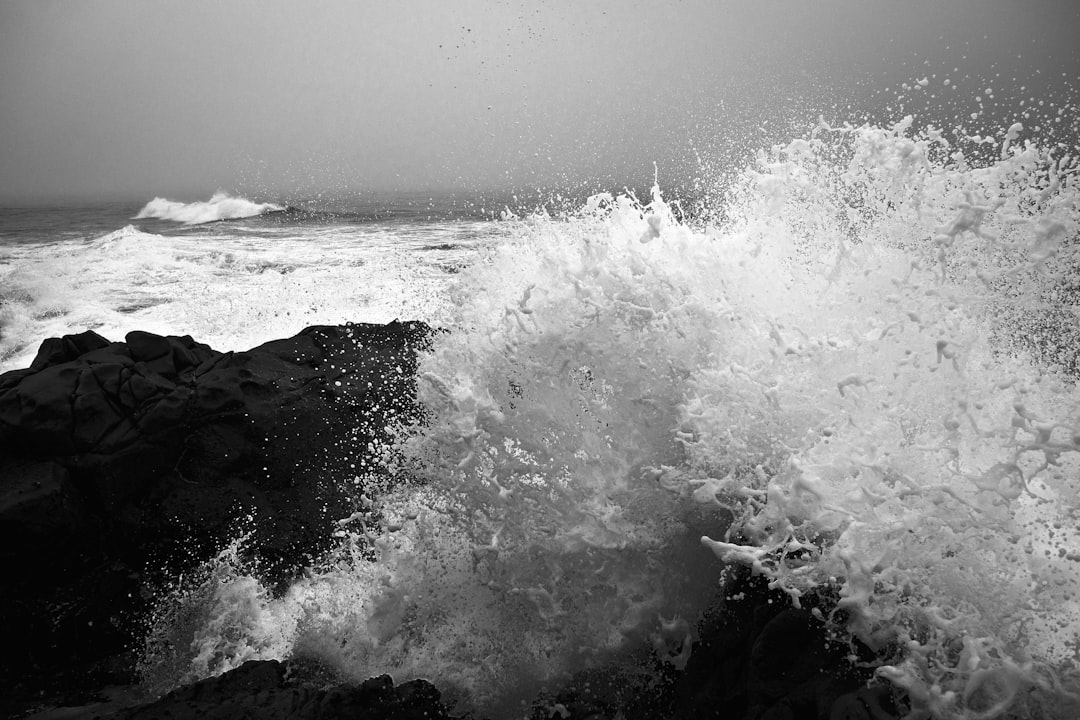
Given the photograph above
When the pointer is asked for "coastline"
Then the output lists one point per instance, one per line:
(127, 463)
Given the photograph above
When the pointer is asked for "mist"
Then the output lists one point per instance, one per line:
(111, 99)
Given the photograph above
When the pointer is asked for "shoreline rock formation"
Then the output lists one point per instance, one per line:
(125, 463)
(119, 460)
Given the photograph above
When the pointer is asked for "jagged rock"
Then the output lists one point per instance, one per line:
(119, 459)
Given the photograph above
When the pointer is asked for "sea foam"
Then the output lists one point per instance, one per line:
(232, 291)
(221, 206)
(860, 380)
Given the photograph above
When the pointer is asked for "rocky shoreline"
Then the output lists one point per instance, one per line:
(122, 463)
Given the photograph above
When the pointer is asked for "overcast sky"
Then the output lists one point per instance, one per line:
(136, 98)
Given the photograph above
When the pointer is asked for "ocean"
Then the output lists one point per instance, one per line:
(230, 272)
(853, 365)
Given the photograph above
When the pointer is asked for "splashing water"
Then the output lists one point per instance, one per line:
(861, 380)
(221, 206)
(932, 465)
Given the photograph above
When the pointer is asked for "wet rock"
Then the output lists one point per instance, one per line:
(262, 690)
(271, 690)
(756, 658)
(122, 460)
(759, 657)
(119, 460)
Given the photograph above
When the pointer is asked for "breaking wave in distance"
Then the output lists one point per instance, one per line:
(863, 381)
(221, 206)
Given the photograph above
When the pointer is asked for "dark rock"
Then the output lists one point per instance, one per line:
(122, 464)
(123, 460)
(270, 690)
(759, 657)
(756, 658)
(55, 351)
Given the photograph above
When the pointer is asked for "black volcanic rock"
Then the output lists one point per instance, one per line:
(119, 459)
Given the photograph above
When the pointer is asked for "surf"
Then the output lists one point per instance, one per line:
(221, 206)
(858, 383)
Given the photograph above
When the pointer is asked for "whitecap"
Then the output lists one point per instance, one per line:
(221, 206)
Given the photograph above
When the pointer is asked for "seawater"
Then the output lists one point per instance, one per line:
(859, 373)
(266, 272)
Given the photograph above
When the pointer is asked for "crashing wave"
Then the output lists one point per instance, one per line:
(844, 382)
(221, 206)
(126, 233)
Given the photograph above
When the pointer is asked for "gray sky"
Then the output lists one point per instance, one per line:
(136, 98)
